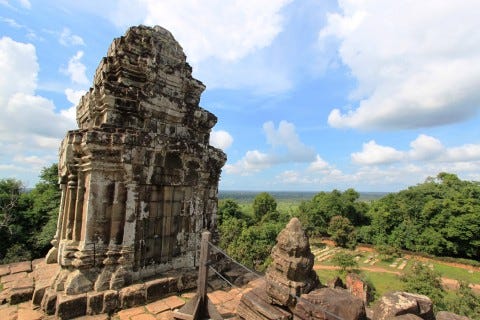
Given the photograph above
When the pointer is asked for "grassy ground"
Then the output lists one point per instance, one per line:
(380, 273)
(384, 274)
(457, 273)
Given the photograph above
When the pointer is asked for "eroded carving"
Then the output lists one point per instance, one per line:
(139, 179)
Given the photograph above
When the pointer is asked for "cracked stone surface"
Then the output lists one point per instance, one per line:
(139, 179)
(291, 272)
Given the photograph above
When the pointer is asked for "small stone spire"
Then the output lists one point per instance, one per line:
(291, 272)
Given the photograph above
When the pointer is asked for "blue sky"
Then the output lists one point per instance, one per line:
(311, 95)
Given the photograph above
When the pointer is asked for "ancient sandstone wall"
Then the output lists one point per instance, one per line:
(139, 179)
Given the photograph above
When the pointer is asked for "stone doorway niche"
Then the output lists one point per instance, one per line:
(165, 218)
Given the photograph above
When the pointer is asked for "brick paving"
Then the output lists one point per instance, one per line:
(226, 301)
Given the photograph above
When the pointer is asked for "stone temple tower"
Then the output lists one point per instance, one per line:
(139, 179)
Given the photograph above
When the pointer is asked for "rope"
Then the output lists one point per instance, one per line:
(233, 260)
(315, 306)
(223, 278)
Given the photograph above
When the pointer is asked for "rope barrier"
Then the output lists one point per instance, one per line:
(233, 260)
(315, 306)
(223, 278)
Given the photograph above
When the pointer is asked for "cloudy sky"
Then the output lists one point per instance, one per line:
(311, 95)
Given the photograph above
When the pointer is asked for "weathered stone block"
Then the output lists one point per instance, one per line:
(110, 301)
(21, 290)
(71, 306)
(13, 277)
(358, 287)
(255, 305)
(4, 270)
(160, 288)
(18, 295)
(78, 282)
(38, 263)
(336, 283)
(329, 304)
(24, 266)
(95, 302)
(131, 296)
(38, 294)
(398, 303)
(28, 314)
(188, 280)
(49, 301)
(40, 287)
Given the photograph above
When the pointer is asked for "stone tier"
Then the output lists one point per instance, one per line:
(291, 272)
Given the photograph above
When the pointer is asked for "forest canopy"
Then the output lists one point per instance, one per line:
(440, 216)
(28, 219)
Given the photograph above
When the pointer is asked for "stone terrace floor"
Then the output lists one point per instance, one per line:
(226, 301)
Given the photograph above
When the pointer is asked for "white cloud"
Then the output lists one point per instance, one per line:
(11, 22)
(23, 3)
(372, 154)
(26, 4)
(286, 148)
(69, 39)
(417, 63)
(465, 153)
(319, 165)
(221, 139)
(286, 137)
(253, 161)
(76, 69)
(425, 149)
(212, 28)
(19, 68)
(319, 174)
(223, 40)
(74, 96)
(30, 127)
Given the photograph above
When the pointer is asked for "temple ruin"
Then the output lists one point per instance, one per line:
(139, 179)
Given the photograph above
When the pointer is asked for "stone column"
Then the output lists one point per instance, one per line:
(78, 215)
(52, 255)
(71, 201)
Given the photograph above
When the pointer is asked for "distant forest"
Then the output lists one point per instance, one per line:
(440, 216)
(287, 196)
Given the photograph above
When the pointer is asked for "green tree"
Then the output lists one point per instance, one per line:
(229, 230)
(263, 204)
(28, 219)
(440, 216)
(254, 245)
(464, 302)
(229, 208)
(44, 210)
(14, 223)
(345, 261)
(315, 214)
(423, 280)
(342, 232)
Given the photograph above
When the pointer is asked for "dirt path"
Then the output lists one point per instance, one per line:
(372, 269)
